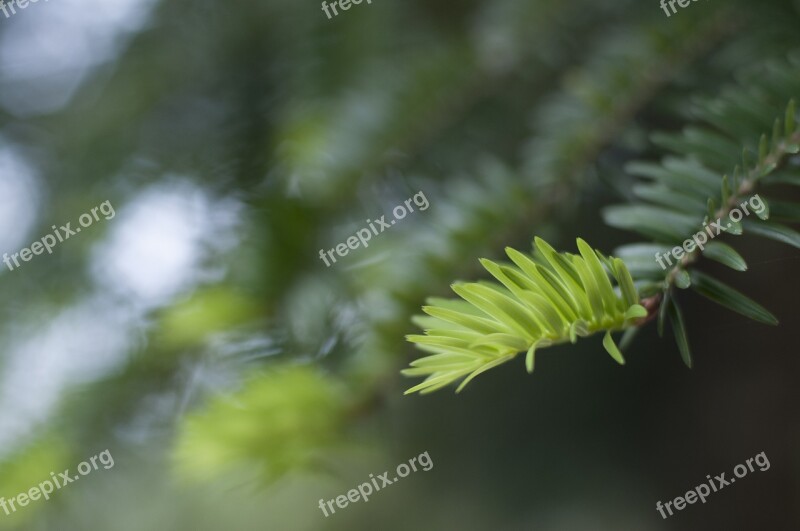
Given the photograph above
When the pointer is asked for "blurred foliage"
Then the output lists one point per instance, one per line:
(207, 312)
(281, 421)
(28, 468)
(198, 331)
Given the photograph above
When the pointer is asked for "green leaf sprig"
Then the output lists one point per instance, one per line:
(537, 301)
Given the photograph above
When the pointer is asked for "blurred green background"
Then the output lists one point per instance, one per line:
(237, 380)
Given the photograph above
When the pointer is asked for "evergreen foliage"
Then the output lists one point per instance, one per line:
(512, 117)
(743, 132)
(543, 300)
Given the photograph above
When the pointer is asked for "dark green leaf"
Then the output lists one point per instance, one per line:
(667, 197)
(747, 161)
(737, 178)
(662, 313)
(649, 289)
(785, 210)
(764, 213)
(774, 231)
(726, 189)
(682, 279)
(726, 255)
(784, 178)
(713, 148)
(641, 259)
(676, 180)
(679, 328)
(767, 168)
(655, 222)
(711, 208)
(730, 298)
(627, 337)
(693, 170)
(734, 227)
(776, 133)
(763, 149)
